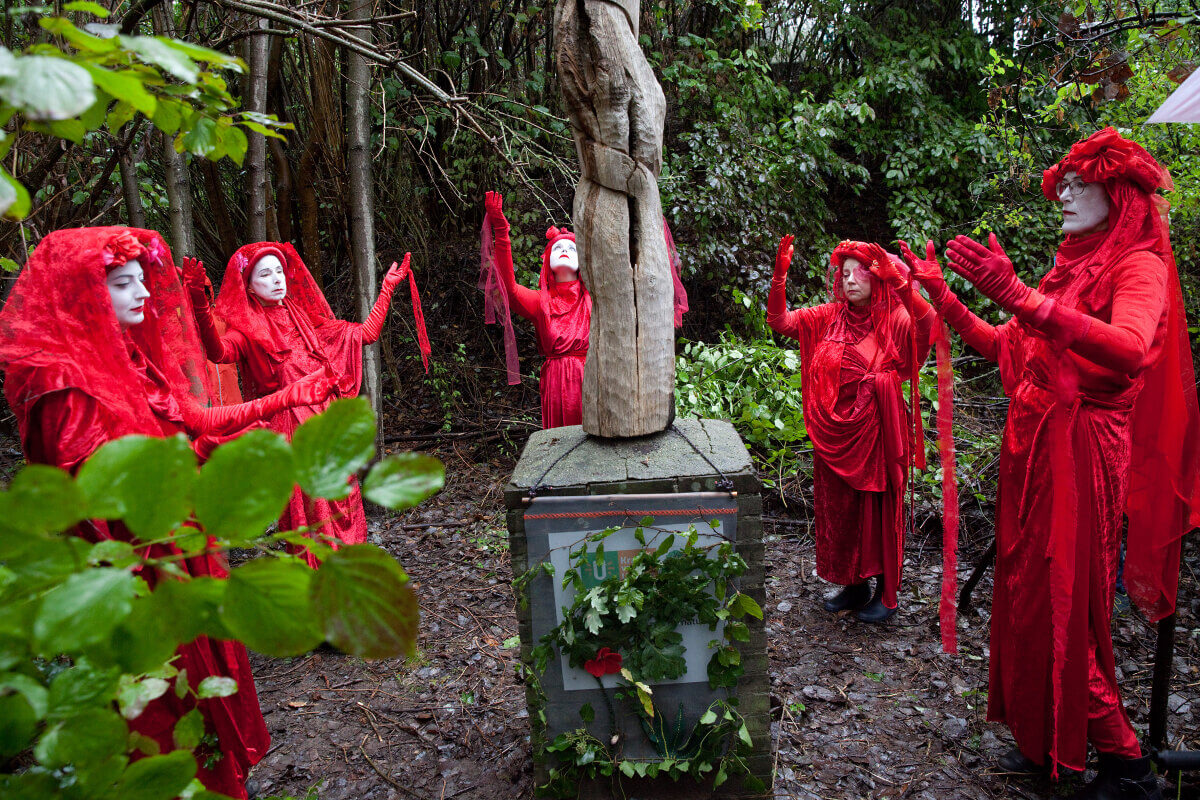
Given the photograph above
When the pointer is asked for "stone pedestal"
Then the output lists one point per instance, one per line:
(584, 481)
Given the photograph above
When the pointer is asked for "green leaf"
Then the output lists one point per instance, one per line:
(87, 6)
(158, 52)
(216, 686)
(169, 116)
(204, 54)
(83, 611)
(82, 687)
(41, 499)
(113, 552)
(234, 143)
(192, 607)
(267, 606)
(332, 446)
(14, 199)
(747, 605)
(244, 486)
(45, 88)
(121, 113)
(145, 639)
(202, 139)
(189, 730)
(87, 738)
(587, 713)
(402, 480)
(157, 777)
(135, 695)
(145, 480)
(20, 723)
(365, 603)
(80, 40)
(124, 85)
(34, 693)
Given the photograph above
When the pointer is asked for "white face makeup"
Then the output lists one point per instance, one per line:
(1085, 206)
(564, 261)
(127, 290)
(856, 282)
(267, 280)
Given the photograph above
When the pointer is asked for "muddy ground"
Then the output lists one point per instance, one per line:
(860, 711)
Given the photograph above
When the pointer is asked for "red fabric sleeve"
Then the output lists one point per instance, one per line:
(790, 323)
(975, 332)
(220, 349)
(524, 300)
(1122, 345)
(374, 324)
(926, 322)
(65, 428)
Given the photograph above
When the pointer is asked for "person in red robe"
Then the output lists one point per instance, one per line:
(1102, 419)
(560, 310)
(280, 328)
(855, 352)
(97, 343)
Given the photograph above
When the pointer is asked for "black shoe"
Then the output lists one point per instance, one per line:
(1122, 779)
(856, 595)
(1017, 763)
(876, 611)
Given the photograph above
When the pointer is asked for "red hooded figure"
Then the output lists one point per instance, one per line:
(97, 342)
(1102, 420)
(855, 352)
(560, 310)
(278, 340)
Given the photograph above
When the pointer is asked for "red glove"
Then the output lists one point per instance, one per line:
(220, 420)
(493, 207)
(196, 280)
(927, 271)
(783, 258)
(990, 269)
(883, 267)
(396, 274)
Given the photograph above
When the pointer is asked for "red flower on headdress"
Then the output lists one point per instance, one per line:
(606, 662)
(121, 248)
(1104, 156)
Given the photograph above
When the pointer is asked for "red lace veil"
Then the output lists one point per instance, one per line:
(336, 342)
(58, 330)
(1164, 477)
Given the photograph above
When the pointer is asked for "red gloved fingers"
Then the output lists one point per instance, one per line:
(493, 206)
(990, 270)
(194, 277)
(783, 257)
(885, 269)
(397, 273)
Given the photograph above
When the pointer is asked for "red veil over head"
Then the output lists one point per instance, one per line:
(58, 329)
(1164, 477)
(334, 341)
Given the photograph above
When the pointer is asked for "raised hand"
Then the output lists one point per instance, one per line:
(783, 258)
(883, 267)
(396, 274)
(194, 277)
(990, 269)
(493, 204)
(927, 271)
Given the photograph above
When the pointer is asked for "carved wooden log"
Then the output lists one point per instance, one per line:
(617, 111)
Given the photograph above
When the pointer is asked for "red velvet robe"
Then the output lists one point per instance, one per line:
(75, 381)
(1022, 676)
(858, 422)
(278, 345)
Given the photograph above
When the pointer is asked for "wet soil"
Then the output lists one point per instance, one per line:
(860, 711)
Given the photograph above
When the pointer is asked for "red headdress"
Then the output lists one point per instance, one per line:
(1164, 477)
(333, 341)
(58, 329)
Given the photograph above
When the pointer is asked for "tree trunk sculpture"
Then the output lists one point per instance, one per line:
(617, 110)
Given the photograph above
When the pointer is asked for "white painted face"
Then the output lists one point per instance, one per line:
(856, 282)
(127, 290)
(564, 261)
(1085, 206)
(267, 280)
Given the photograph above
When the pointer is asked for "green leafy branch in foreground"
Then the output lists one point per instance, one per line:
(627, 624)
(93, 77)
(85, 645)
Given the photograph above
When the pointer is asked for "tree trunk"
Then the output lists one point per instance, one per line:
(617, 111)
(134, 212)
(360, 209)
(259, 48)
(220, 208)
(179, 200)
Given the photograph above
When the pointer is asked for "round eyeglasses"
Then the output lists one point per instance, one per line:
(1076, 186)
